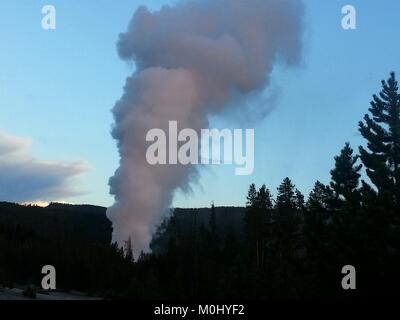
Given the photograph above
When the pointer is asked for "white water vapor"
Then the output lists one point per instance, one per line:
(192, 59)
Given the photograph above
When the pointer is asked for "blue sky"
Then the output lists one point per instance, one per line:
(57, 89)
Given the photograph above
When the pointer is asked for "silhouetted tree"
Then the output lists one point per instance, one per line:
(286, 200)
(288, 248)
(346, 205)
(213, 223)
(346, 176)
(257, 222)
(286, 234)
(382, 132)
(381, 158)
(317, 237)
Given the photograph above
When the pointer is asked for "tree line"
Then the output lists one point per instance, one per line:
(295, 247)
(291, 246)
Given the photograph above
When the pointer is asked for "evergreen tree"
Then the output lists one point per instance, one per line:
(214, 239)
(317, 237)
(299, 201)
(318, 213)
(213, 222)
(262, 223)
(381, 158)
(257, 219)
(249, 220)
(320, 198)
(251, 196)
(263, 199)
(346, 176)
(286, 231)
(382, 132)
(286, 199)
(347, 217)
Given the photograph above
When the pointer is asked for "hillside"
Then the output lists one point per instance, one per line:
(76, 239)
(58, 221)
(89, 223)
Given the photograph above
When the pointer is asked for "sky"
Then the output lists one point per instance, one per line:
(57, 89)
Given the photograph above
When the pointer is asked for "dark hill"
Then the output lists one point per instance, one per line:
(58, 221)
(89, 223)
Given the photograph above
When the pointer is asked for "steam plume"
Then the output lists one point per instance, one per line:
(192, 59)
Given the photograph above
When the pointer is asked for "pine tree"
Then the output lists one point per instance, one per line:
(346, 205)
(299, 200)
(318, 214)
(213, 232)
(287, 222)
(213, 221)
(250, 213)
(381, 158)
(382, 132)
(286, 198)
(263, 198)
(262, 223)
(317, 236)
(251, 196)
(346, 176)
(320, 197)
(257, 219)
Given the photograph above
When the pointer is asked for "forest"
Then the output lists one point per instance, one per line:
(287, 246)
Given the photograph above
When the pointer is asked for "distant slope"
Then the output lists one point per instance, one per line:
(89, 223)
(84, 208)
(58, 221)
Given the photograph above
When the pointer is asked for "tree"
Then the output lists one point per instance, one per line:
(320, 198)
(299, 200)
(346, 176)
(318, 212)
(263, 199)
(257, 220)
(263, 220)
(251, 196)
(381, 158)
(286, 229)
(382, 132)
(317, 236)
(250, 213)
(286, 199)
(346, 204)
(214, 239)
(213, 222)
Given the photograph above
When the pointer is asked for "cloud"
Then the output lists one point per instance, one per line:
(193, 59)
(24, 178)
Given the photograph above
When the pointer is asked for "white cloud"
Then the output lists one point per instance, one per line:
(24, 178)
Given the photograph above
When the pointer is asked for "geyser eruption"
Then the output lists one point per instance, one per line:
(192, 59)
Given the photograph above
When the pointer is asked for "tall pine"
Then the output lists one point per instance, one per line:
(381, 129)
(346, 176)
(257, 221)
(346, 214)
(381, 157)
